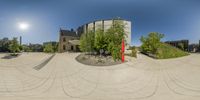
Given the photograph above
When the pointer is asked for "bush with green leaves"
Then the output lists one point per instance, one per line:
(83, 43)
(87, 42)
(116, 52)
(114, 37)
(134, 52)
(26, 48)
(48, 48)
(4, 45)
(14, 46)
(151, 43)
(181, 46)
(55, 47)
(90, 41)
(100, 42)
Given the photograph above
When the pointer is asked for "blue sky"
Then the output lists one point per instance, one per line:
(177, 19)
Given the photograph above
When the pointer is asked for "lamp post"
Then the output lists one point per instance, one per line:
(20, 40)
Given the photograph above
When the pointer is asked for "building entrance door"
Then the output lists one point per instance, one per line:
(72, 47)
(63, 47)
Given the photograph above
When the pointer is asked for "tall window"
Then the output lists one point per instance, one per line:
(72, 48)
(64, 39)
(64, 47)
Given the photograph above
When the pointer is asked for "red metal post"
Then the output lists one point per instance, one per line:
(122, 51)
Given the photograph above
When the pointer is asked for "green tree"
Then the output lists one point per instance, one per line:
(14, 46)
(114, 37)
(4, 45)
(151, 43)
(83, 43)
(90, 41)
(48, 48)
(87, 42)
(181, 46)
(36, 47)
(110, 40)
(100, 41)
(55, 47)
(26, 48)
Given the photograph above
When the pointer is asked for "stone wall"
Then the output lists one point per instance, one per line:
(65, 45)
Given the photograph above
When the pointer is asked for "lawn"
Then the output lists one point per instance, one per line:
(166, 51)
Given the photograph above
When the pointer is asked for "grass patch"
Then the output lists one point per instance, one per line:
(166, 51)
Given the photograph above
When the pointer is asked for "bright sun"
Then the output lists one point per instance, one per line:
(23, 26)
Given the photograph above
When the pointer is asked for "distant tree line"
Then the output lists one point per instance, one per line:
(4, 45)
(13, 46)
(7, 45)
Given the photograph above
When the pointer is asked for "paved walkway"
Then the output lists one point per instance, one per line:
(63, 78)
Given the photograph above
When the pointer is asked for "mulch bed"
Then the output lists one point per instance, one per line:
(96, 60)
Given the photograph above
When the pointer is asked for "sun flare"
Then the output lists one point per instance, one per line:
(23, 26)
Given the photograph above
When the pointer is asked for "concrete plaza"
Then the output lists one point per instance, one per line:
(63, 78)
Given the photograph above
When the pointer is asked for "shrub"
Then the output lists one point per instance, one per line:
(114, 37)
(116, 52)
(134, 52)
(14, 46)
(100, 42)
(181, 46)
(83, 43)
(48, 48)
(151, 43)
(87, 42)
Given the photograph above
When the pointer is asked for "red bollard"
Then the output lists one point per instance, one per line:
(122, 51)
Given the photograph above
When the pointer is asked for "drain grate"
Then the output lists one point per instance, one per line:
(41, 65)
